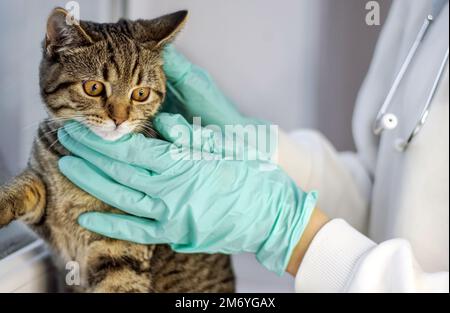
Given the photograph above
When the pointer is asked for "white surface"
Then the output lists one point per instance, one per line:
(26, 270)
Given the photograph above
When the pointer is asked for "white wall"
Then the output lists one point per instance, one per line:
(252, 48)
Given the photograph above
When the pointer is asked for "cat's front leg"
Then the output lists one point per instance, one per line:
(23, 198)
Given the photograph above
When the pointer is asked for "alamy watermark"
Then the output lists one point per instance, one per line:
(250, 142)
(73, 277)
(73, 16)
(373, 14)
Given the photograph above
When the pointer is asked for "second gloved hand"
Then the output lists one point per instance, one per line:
(209, 205)
(192, 92)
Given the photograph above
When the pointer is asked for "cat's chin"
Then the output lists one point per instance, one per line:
(110, 134)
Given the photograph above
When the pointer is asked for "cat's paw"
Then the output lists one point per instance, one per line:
(6, 209)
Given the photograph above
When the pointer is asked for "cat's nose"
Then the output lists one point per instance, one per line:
(119, 113)
(119, 120)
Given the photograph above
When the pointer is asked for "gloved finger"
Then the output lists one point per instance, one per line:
(134, 177)
(135, 149)
(124, 227)
(176, 129)
(201, 97)
(175, 64)
(90, 179)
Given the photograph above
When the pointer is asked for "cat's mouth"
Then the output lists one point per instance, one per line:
(109, 131)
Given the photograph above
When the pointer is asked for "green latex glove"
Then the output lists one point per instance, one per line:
(208, 205)
(192, 92)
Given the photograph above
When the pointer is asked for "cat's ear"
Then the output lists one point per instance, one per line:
(63, 32)
(160, 31)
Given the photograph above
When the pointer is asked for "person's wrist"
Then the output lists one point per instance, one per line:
(317, 221)
(295, 211)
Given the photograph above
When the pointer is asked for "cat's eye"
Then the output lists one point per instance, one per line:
(140, 94)
(93, 88)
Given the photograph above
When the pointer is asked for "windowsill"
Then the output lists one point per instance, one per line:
(15, 237)
(25, 262)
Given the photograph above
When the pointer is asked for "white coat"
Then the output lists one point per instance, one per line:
(395, 237)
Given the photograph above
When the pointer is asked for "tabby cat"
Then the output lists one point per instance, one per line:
(110, 78)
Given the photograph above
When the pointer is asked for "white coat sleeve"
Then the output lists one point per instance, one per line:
(340, 259)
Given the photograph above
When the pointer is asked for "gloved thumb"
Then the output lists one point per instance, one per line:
(175, 129)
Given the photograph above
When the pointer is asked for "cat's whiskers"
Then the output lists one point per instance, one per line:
(150, 132)
(72, 128)
(48, 133)
(52, 131)
(54, 120)
(79, 118)
(34, 124)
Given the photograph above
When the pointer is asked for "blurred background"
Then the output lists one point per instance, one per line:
(298, 63)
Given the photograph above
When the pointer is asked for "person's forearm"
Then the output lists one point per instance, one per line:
(317, 221)
(299, 168)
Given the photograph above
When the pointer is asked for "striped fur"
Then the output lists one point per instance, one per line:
(124, 54)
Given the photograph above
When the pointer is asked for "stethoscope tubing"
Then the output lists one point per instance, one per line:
(387, 121)
(378, 127)
(426, 110)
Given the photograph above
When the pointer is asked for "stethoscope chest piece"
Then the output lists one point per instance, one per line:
(385, 120)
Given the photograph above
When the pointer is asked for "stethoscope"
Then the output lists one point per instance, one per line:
(389, 121)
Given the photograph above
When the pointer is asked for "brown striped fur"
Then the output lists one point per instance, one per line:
(124, 54)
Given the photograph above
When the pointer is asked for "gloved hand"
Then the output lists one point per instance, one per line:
(207, 204)
(192, 92)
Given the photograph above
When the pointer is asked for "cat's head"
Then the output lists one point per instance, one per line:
(107, 76)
